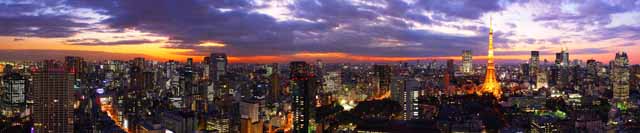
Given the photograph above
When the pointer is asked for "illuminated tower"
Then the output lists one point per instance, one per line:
(491, 85)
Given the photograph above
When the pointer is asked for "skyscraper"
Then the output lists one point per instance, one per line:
(383, 86)
(542, 81)
(206, 64)
(635, 77)
(561, 75)
(186, 78)
(491, 85)
(302, 87)
(218, 66)
(620, 80)
(467, 66)
(449, 73)
(13, 94)
(562, 58)
(75, 65)
(276, 90)
(53, 99)
(534, 64)
(140, 63)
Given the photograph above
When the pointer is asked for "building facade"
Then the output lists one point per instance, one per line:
(53, 99)
(302, 87)
(620, 78)
(218, 66)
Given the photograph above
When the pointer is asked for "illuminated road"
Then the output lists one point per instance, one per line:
(287, 125)
(111, 112)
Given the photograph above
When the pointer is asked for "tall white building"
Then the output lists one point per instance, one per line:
(620, 78)
(467, 65)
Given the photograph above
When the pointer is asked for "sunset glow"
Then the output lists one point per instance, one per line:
(280, 31)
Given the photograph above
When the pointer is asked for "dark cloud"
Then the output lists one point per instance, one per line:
(249, 33)
(18, 39)
(96, 42)
(590, 51)
(619, 32)
(21, 55)
(550, 51)
(319, 25)
(329, 26)
(468, 9)
(17, 9)
(36, 19)
(511, 25)
(230, 3)
(419, 17)
(589, 12)
(625, 44)
(47, 26)
(333, 11)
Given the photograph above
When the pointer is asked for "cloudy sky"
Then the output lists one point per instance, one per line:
(333, 30)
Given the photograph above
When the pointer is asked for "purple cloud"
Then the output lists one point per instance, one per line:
(96, 42)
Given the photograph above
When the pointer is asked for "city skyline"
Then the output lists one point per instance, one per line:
(331, 30)
(319, 66)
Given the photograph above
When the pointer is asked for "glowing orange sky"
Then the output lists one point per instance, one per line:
(156, 51)
(267, 29)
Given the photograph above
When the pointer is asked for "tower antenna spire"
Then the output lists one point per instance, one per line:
(491, 24)
(491, 84)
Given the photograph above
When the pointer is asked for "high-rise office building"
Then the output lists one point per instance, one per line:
(383, 84)
(187, 78)
(276, 89)
(52, 99)
(409, 99)
(561, 73)
(451, 68)
(140, 63)
(13, 94)
(542, 81)
(75, 65)
(319, 69)
(303, 89)
(206, 64)
(525, 71)
(620, 78)
(467, 64)
(554, 75)
(562, 58)
(534, 65)
(218, 66)
(635, 77)
(449, 73)
(592, 68)
(249, 117)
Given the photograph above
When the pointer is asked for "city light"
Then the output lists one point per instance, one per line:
(319, 66)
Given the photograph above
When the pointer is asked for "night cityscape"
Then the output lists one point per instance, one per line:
(319, 66)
